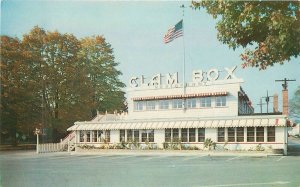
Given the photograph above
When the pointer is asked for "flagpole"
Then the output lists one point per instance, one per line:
(183, 43)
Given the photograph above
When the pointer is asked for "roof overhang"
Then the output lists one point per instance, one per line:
(244, 121)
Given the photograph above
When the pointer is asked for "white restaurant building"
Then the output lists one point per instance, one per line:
(161, 111)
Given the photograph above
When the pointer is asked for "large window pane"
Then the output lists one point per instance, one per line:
(201, 134)
(122, 135)
(250, 134)
(221, 101)
(260, 134)
(136, 135)
(184, 135)
(151, 136)
(231, 134)
(88, 136)
(205, 102)
(271, 134)
(221, 134)
(129, 135)
(168, 135)
(175, 135)
(164, 104)
(192, 135)
(191, 103)
(177, 103)
(144, 136)
(240, 134)
(81, 139)
(150, 105)
(138, 105)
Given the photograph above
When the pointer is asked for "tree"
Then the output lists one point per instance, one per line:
(295, 106)
(50, 80)
(100, 66)
(270, 31)
(16, 107)
(61, 85)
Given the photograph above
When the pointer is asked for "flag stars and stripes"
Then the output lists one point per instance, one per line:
(174, 32)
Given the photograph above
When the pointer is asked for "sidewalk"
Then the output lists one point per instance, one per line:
(175, 153)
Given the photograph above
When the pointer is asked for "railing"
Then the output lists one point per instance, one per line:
(70, 137)
(64, 145)
(51, 147)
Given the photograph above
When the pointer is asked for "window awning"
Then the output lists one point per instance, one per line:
(210, 94)
(173, 123)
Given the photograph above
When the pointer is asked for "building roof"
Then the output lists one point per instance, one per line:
(239, 121)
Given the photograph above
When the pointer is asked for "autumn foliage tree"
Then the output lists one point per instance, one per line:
(50, 79)
(269, 30)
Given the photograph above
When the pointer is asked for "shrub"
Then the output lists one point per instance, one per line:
(208, 143)
(259, 148)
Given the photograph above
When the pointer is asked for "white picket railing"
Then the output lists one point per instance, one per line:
(51, 147)
(67, 144)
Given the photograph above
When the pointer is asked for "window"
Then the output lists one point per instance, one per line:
(81, 139)
(107, 135)
(150, 105)
(122, 135)
(129, 135)
(260, 134)
(138, 105)
(175, 135)
(191, 103)
(240, 134)
(192, 135)
(100, 138)
(148, 135)
(151, 136)
(164, 104)
(221, 134)
(177, 103)
(250, 134)
(201, 134)
(184, 135)
(168, 135)
(144, 136)
(136, 135)
(88, 136)
(221, 101)
(231, 134)
(205, 102)
(94, 136)
(271, 134)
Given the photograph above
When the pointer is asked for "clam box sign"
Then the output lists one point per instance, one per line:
(198, 76)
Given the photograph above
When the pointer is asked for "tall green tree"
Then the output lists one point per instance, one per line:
(16, 107)
(50, 80)
(60, 82)
(100, 66)
(269, 30)
(295, 106)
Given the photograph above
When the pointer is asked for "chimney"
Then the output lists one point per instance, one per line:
(275, 103)
(285, 102)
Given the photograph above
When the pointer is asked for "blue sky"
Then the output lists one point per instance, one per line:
(136, 29)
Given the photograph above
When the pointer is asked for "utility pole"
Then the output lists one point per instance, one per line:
(285, 84)
(267, 101)
(285, 96)
(261, 104)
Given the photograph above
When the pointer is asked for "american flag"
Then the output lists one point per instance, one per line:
(174, 32)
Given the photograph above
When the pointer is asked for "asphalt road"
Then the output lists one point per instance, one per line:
(62, 169)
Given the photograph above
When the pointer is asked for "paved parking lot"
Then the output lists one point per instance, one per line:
(63, 169)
